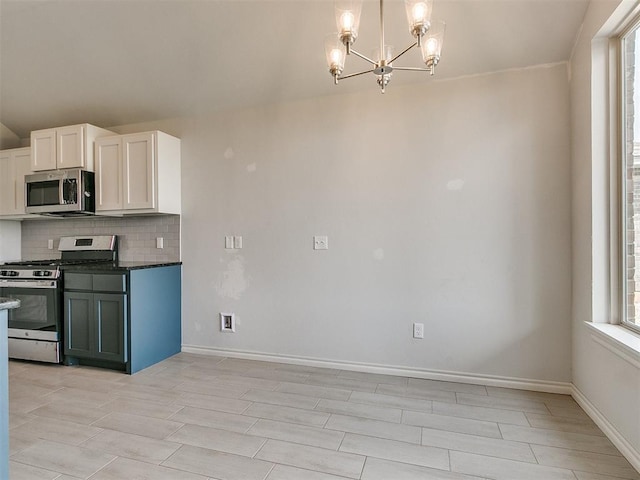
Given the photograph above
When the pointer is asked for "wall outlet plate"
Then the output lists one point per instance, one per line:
(227, 322)
(321, 242)
(418, 330)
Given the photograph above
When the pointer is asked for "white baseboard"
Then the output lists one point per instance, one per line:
(460, 377)
(607, 428)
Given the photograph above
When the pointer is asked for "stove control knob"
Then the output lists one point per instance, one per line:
(12, 273)
(38, 273)
(3, 273)
(46, 273)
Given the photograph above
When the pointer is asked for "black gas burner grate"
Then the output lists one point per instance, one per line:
(52, 263)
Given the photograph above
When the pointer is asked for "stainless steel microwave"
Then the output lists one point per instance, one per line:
(61, 192)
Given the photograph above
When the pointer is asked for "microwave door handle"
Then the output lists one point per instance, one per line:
(61, 193)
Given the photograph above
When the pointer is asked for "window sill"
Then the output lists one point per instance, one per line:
(617, 339)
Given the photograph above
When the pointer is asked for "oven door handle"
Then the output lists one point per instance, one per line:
(28, 284)
(61, 192)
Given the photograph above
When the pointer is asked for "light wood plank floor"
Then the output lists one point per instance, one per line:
(197, 417)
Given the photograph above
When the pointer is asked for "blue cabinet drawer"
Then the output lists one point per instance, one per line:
(109, 283)
(96, 282)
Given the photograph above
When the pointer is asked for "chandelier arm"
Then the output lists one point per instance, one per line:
(403, 52)
(412, 69)
(363, 57)
(355, 74)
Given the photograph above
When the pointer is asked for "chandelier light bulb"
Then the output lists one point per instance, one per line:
(385, 56)
(418, 16)
(346, 21)
(431, 46)
(419, 12)
(337, 58)
(335, 52)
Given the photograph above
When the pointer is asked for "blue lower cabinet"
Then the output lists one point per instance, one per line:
(127, 321)
(96, 326)
(78, 324)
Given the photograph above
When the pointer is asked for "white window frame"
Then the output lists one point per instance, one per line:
(619, 281)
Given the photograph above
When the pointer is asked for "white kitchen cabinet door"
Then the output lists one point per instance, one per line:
(14, 165)
(6, 182)
(108, 169)
(43, 150)
(65, 147)
(70, 147)
(138, 174)
(22, 167)
(139, 170)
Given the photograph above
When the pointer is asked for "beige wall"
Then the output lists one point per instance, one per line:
(445, 203)
(8, 139)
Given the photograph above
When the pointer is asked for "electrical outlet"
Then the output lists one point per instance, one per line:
(321, 242)
(50, 244)
(159, 242)
(227, 322)
(228, 242)
(418, 330)
(237, 241)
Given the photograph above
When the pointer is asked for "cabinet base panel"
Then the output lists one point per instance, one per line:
(89, 362)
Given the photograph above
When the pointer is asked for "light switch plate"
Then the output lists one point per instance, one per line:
(228, 242)
(237, 241)
(159, 242)
(321, 242)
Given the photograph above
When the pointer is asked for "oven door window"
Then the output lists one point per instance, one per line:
(69, 191)
(43, 193)
(38, 308)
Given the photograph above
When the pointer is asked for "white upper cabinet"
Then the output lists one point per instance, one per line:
(108, 169)
(138, 173)
(70, 147)
(65, 147)
(14, 165)
(43, 146)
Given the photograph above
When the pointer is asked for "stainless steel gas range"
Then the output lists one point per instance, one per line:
(35, 329)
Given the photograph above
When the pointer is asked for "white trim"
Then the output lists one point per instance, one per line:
(460, 377)
(617, 339)
(621, 443)
(500, 72)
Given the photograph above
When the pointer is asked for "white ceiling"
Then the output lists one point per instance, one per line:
(115, 62)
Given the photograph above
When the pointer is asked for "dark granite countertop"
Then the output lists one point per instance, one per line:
(119, 266)
(7, 303)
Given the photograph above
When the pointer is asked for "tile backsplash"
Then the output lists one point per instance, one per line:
(136, 236)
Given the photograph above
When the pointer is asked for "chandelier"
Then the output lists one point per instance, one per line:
(428, 36)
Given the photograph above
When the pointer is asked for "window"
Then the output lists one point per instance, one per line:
(630, 174)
